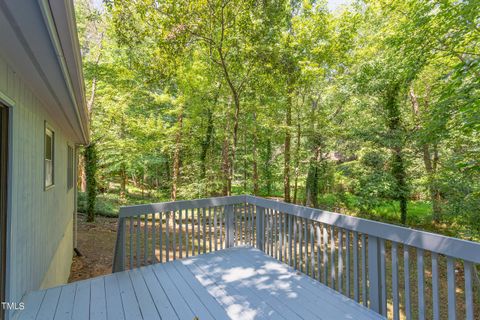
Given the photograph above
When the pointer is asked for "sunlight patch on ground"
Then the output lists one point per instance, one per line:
(238, 273)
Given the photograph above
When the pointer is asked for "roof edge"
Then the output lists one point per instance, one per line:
(80, 107)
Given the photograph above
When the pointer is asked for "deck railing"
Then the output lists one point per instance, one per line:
(396, 271)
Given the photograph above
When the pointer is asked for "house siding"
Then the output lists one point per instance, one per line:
(40, 238)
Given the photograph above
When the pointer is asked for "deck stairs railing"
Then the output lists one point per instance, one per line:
(396, 271)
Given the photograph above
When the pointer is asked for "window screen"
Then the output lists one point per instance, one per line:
(49, 151)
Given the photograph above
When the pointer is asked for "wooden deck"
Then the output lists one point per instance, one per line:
(237, 283)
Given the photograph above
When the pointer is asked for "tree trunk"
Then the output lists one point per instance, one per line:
(395, 130)
(123, 181)
(430, 164)
(206, 144)
(90, 155)
(176, 156)
(82, 174)
(227, 182)
(297, 159)
(311, 186)
(286, 168)
(244, 162)
(255, 166)
(267, 167)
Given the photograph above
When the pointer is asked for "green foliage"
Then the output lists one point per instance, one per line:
(373, 108)
(90, 154)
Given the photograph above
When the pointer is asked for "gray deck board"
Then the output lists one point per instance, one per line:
(176, 299)
(160, 299)
(49, 304)
(98, 304)
(145, 301)
(236, 283)
(114, 301)
(65, 303)
(81, 304)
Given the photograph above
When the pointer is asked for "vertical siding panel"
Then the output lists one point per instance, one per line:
(35, 238)
(3, 76)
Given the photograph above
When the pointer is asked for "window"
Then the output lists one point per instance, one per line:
(49, 157)
(70, 168)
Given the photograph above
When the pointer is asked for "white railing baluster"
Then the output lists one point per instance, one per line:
(305, 236)
(396, 313)
(451, 288)
(215, 227)
(271, 227)
(204, 229)
(131, 241)
(468, 270)
(187, 234)
(193, 231)
(436, 305)
(374, 274)
(383, 278)
(252, 224)
(347, 263)
(154, 242)
(260, 227)
(267, 230)
(145, 239)
(161, 236)
(280, 237)
(246, 223)
(355, 267)
(276, 237)
(294, 221)
(325, 254)
(332, 257)
(340, 261)
(209, 229)
(229, 226)
(300, 241)
(420, 284)
(137, 252)
(312, 251)
(235, 225)
(167, 236)
(364, 271)
(406, 277)
(319, 252)
(199, 232)
(290, 232)
(222, 217)
(174, 238)
(180, 239)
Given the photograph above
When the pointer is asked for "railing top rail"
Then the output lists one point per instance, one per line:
(453, 247)
(129, 211)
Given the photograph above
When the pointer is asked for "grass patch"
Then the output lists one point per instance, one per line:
(419, 215)
(108, 203)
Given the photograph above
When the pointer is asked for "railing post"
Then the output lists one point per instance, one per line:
(229, 226)
(260, 217)
(374, 274)
(119, 258)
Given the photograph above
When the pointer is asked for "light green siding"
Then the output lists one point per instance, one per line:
(39, 218)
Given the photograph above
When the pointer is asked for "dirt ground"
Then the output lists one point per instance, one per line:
(96, 242)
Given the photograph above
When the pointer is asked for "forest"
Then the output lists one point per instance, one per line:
(370, 109)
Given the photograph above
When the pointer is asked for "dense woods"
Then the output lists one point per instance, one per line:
(370, 109)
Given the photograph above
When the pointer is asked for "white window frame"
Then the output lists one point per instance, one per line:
(70, 167)
(49, 182)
